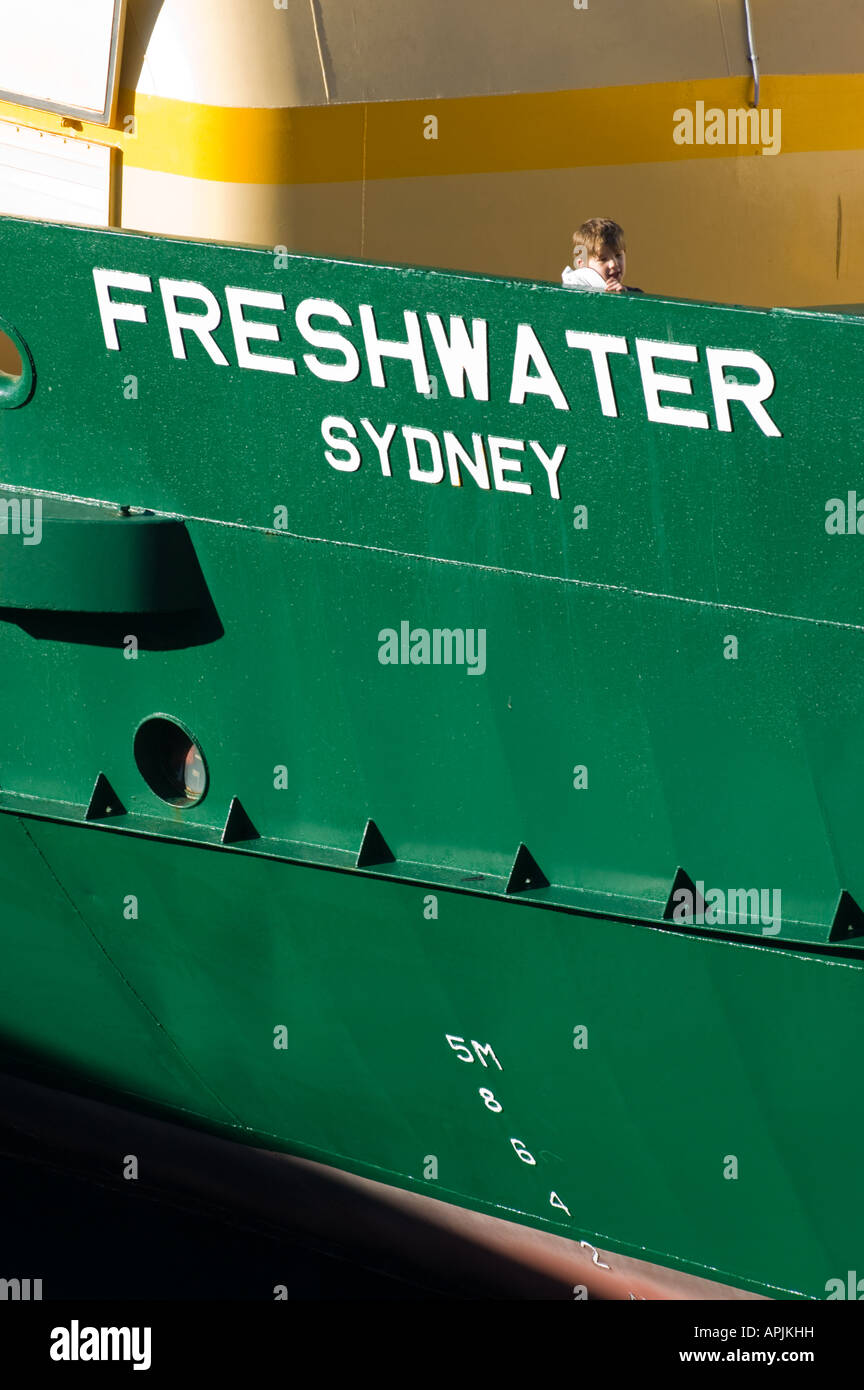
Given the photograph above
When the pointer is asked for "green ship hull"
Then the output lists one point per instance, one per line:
(499, 650)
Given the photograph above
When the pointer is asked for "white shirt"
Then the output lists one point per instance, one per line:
(583, 279)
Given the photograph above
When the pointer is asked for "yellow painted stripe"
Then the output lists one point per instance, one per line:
(60, 125)
(385, 140)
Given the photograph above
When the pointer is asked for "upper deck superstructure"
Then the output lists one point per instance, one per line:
(478, 136)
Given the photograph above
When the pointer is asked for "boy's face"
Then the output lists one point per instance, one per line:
(608, 263)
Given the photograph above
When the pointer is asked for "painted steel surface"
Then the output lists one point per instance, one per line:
(481, 143)
(671, 627)
(697, 1049)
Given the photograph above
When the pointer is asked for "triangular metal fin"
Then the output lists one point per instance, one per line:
(374, 849)
(683, 882)
(104, 801)
(237, 825)
(525, 873)
(848, 919)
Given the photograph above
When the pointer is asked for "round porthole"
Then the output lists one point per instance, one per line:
(17, 376)
(170, 761)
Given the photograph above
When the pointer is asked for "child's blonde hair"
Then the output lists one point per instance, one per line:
(596, 233)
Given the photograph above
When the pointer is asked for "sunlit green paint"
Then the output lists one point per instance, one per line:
(151, 954)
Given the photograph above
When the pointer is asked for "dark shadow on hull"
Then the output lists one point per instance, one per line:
(154, 632)
(422, 1239)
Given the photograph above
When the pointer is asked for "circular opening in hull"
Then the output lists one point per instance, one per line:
(170, 761)
(11, 365)
(17, 376)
